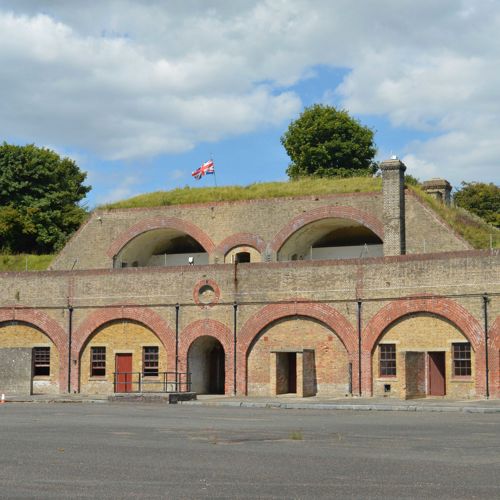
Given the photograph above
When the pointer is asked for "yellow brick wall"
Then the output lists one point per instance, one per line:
(422, 333)
(330, 356)
(24, 335)
(120, 337)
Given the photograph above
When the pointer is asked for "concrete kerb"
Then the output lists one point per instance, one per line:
(477, 406)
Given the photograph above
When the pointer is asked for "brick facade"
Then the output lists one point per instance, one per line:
(281, 312)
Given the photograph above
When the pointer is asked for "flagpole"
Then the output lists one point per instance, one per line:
(215, 178)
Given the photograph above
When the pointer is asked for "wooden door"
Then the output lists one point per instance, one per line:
(292, 372)
(123, 369)
(437, 386)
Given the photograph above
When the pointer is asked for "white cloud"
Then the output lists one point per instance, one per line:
(124, 189)
(128, 79)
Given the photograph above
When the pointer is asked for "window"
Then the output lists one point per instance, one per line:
(97, 361)
(388, 360)
(41, 361)
(150, 361)
(462, 360)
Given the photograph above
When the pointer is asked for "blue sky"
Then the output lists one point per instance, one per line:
(140, 93)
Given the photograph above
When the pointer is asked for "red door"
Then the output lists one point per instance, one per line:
(437, 374)
(123, 369)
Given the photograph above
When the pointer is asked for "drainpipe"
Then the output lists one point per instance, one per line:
(487, 373)
(235, 318)
(177, 306)
(70, 335)
(358, 314)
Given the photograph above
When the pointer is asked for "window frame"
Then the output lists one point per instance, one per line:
(461, 359)
(151, 361)
(97, 361)
(385, 363)
(41, 361)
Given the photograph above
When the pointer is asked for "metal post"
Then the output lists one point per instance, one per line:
(486, 361)
(177, 306)
(70, 335)
(358, 311)
(235, 320)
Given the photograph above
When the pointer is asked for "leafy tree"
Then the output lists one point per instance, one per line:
(327, 142)
(481, 199)
(39, 199)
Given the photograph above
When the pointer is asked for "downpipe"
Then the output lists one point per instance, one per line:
(486, 300)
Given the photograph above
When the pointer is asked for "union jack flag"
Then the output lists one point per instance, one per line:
(207, 168)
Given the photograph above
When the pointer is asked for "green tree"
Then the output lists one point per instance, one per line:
(39, 199)
(481, 199)
(327, 142)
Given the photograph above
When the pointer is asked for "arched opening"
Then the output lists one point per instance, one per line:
(331, 238)
(161, 247)
(29, 360)
(122, 356)
(299, 356)
(242, 254)
(207, 365)
(420, 355)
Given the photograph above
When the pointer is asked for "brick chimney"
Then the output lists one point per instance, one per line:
(393, 191)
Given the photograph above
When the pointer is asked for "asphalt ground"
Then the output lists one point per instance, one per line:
(123, 450)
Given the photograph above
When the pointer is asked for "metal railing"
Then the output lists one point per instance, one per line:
(163, 382)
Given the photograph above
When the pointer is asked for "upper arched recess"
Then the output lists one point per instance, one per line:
(161, 242)
(330, 233)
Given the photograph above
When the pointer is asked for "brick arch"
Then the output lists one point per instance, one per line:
(147, 317)
(211, 328)
(49, 327)
(442, 307)
(327, 212)
(238, 239)
(151, 224)
(494, 361)
(273, 312)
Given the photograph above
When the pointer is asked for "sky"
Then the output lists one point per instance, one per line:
(141, 93)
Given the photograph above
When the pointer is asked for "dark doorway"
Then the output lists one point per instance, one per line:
(123, 369)
(292, 372)
(207, 365)
(437, 385)
(286, 373)
(217, 369)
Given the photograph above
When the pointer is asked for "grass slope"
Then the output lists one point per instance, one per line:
(23, 261)
(303, 187)
(473, 229)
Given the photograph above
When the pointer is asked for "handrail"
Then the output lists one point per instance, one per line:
(162, 382)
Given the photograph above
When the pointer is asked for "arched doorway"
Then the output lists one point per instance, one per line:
(34, 359)
(297, 355)
(423, 354)
(207, 365)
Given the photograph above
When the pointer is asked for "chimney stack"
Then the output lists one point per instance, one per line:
(393, 191)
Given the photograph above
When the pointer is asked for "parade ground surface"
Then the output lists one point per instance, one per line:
(130, 450)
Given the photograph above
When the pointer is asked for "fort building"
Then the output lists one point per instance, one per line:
(328, 295)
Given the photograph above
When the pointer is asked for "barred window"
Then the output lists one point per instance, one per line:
(150, 361)
(388, 360)
(462, 360)
(41, 361)
(97, 361)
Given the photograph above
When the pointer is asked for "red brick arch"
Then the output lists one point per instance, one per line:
(161, 223)
(445, 308)
(240, 239)
(143, 315)
(211, 328)
(327, 212)
(273, 312)
(494, 361)
(50, 327)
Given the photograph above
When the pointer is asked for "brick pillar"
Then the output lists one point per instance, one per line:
(393, 190)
